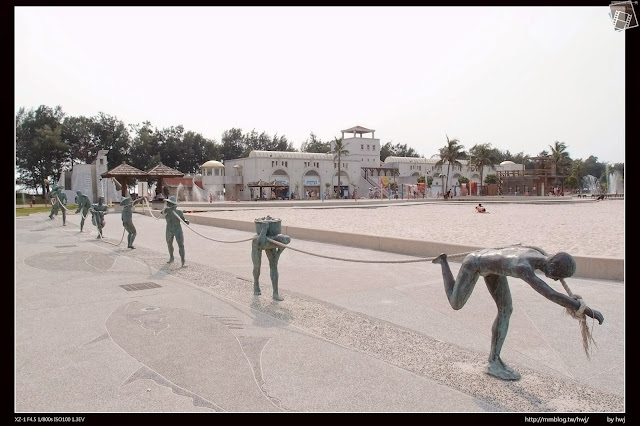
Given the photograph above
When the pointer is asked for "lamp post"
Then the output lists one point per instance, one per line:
(443, 177)
(394, 181)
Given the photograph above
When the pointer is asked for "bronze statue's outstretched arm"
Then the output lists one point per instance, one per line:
(561, 299)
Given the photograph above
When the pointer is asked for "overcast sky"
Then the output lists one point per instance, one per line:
(519, 78)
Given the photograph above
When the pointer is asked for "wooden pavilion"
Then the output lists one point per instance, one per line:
(160, 172)
(125, 171)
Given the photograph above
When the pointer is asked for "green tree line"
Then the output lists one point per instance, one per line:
(571, 170)
(48, 141)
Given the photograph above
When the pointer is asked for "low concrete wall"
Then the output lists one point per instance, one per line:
(586, 267)
(605, 268)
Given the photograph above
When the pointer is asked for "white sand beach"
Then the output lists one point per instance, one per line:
(586, 228)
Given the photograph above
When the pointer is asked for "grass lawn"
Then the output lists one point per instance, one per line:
(26, 211)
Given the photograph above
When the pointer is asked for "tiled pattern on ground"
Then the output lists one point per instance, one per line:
(422, 355)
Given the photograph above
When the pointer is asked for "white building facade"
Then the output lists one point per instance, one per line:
(213, 174)
(313, 175)
(301, 175)
(88, 179)
(306, 175)
(410, 168)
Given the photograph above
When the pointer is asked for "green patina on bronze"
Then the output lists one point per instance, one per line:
(84, 205)
(58, 202)
(267, 228)
(173, 216)
(98, 211)
(495, 265)
(127, 219)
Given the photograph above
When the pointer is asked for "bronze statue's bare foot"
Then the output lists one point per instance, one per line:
(276, 296)
(256, 290)
(439, 258)
(500, 370)
(170, 260)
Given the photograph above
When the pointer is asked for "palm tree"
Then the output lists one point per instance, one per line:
(578, 171)
(560, 157)
(450, 154)
(483, 155)
(338, 151)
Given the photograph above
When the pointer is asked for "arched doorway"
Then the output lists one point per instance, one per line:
(454, 185)
(311, 185)
(343, 190)
(282, 178)
(475, 184)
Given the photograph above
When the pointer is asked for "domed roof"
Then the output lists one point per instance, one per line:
(507, 162)
(212, 164)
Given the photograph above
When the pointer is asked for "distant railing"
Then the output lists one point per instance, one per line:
(526, 172)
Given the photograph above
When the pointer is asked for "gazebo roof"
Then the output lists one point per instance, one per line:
(163, 171)
(128, 171)
(124, 170)
(358, 130)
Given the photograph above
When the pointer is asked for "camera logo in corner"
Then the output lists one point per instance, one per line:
(623, 15)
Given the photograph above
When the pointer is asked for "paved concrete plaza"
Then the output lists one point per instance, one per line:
(100, 328)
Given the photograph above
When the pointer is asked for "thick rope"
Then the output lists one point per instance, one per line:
(421, 259)
(84, 216)
(209, 238)
(146, 202)
(212, 239)
(187, 225)
(100, 235)
(579, 314)
(109, 242)
(57, 200)
(279, 244)
(587, 337)
(122, 238)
